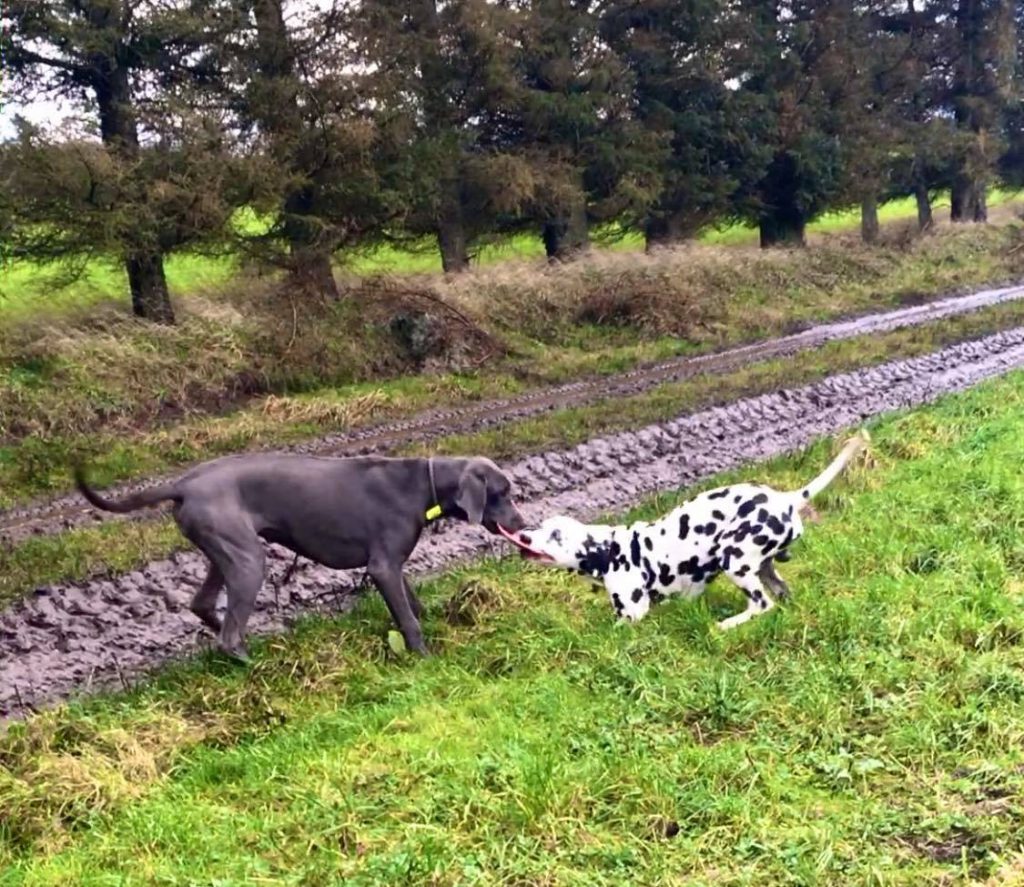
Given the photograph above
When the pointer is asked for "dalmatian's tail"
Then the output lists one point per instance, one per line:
(852, 447)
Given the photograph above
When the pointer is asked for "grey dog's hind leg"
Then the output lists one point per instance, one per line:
(204, 602)
(237, 554)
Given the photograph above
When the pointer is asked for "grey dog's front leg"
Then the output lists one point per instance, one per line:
(392, 586)
(417, 607)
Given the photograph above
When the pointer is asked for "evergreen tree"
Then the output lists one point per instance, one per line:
(982, 44)
(110, 58)
(676, 51)
(338, 167)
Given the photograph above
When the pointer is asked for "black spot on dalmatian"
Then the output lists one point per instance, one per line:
(637, 595)
(760, 539)
(662, 531)
(730, 553)
(648, 544)
(769, 546)
(717, 515)
(747, 507)
(775, 525)
(665, 576)
(687, 567)
(742, 571)
(656, 596)
(719, 494)
(595, 557)
(807, 494)
(684, 526)
(634, 549)
(736, 501)
(556, 536)
(617, 601)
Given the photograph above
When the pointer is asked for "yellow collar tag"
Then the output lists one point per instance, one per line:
(433, 513)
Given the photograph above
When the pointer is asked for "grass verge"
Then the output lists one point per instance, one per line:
(134, 399)
(868, 732)
(80, 553)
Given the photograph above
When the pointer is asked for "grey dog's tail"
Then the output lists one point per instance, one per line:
(853, 446)
(142, 499)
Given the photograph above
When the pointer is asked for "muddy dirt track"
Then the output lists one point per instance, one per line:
(59, 514)
(79, 636)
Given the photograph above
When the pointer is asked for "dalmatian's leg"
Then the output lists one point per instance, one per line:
(775, 583)
(758, 599)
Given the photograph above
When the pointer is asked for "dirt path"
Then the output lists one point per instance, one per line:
(59, 514)
(79, 636)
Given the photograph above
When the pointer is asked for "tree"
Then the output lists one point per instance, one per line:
(98, 54)
(446, 69)
(335, 168)
(574, 118)
(675, 52)
(792, 70)
(982, 45)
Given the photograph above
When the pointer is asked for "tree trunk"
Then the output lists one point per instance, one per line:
(567, 236)
(869, 219)
(980, 203)
(668, 229)
(309, 252)
(312, 272)
(451, 231)
(782, 221)
(782, 228)
(119, 133)
(148, 284)
(924, 207)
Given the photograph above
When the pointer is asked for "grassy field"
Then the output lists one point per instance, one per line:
(871, 731)
(26, 288)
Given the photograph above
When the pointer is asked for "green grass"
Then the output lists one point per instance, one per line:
(867, 732)
(84, 552)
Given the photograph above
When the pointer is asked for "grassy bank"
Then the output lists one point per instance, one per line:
(257, 368)
(116, 548)
(868, 732)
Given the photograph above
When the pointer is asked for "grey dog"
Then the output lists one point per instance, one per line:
(343, 513)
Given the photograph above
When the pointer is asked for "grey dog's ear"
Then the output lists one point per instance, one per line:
(472, 495)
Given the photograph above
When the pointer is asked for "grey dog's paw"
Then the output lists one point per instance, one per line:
(238, 654)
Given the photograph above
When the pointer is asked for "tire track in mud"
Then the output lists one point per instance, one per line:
(74, 637)
(68, 511)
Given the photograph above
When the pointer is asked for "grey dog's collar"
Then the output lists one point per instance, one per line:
(435, 511)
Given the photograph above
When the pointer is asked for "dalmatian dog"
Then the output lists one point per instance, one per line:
(739, 530)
